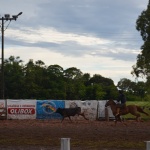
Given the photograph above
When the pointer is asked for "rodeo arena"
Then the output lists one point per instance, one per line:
(90, 127)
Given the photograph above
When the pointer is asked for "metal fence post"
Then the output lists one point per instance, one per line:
(147, 145)
(65, 143)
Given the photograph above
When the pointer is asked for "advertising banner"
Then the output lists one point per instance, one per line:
(46, 109)
(88, 107)
(2, 108)
(21, 109)
(2, 103)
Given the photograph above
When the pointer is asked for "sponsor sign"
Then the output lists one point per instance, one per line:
(2, 105)
(46, 109)
(24, 111)
(21, 109)
(88, 107)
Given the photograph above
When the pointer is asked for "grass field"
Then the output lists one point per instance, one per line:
(144, 105)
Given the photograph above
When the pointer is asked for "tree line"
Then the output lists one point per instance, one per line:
(35, 80)
(142, 67)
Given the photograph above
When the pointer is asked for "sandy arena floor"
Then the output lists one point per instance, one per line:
(84, 135)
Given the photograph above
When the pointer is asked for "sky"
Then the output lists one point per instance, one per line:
(95, 36)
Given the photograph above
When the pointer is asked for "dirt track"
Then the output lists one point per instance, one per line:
(85, 135)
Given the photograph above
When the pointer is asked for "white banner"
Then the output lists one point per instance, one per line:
(2, 105)
(21, 109)
(89, 107)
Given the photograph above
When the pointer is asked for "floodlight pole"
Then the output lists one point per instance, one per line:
(2, 65)
(6, 17)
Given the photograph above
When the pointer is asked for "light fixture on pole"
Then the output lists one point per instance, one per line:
(6, 17)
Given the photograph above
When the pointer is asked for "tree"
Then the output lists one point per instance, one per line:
(133, 90)
(74, 83)
(14, 78)
(142, 67)
(108, 89)
(125, 84)
(55, 82)
(37, 81)
(72, 73)
(86, 79)
(56, 69)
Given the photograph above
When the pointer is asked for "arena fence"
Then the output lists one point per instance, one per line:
(45, 109)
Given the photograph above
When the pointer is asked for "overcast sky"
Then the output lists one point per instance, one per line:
(95, 36)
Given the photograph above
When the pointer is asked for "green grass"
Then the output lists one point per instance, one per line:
(144, 105)
(119, 144)
(139, 103)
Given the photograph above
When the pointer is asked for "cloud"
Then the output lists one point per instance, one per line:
(69, 43)
(95, 36)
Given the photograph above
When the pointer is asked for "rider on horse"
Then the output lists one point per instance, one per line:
(122, 99)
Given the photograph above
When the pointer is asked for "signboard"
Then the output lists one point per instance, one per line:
(2, 108)
(46, 109)
(21, 109)
(2, 103)
(88, 107)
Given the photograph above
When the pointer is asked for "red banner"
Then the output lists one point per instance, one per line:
(23, 111)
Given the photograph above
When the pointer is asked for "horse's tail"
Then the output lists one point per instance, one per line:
(139, 109)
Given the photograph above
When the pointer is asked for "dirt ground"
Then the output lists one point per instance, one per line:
(84, 135)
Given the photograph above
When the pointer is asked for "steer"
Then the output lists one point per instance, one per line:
(67, 112)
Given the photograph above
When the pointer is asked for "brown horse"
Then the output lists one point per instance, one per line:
(132, 109)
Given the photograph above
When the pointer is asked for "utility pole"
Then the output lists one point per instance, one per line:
(6, 18)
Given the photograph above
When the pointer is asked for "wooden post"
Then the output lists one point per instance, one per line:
(147, 145)
(106, 114)
(65, 143)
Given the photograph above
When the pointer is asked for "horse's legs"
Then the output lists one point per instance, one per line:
(138, 116)
(115, 122)
(118, 118)
(139, 109)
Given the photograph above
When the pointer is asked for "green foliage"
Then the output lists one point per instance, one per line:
(147, 97)
(37, 81)
(142, 66)
(135, 91)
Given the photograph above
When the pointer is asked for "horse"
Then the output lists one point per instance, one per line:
(132, 109)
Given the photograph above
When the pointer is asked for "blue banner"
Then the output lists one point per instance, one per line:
(45, 109)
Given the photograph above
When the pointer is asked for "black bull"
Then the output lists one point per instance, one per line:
(67, 112)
